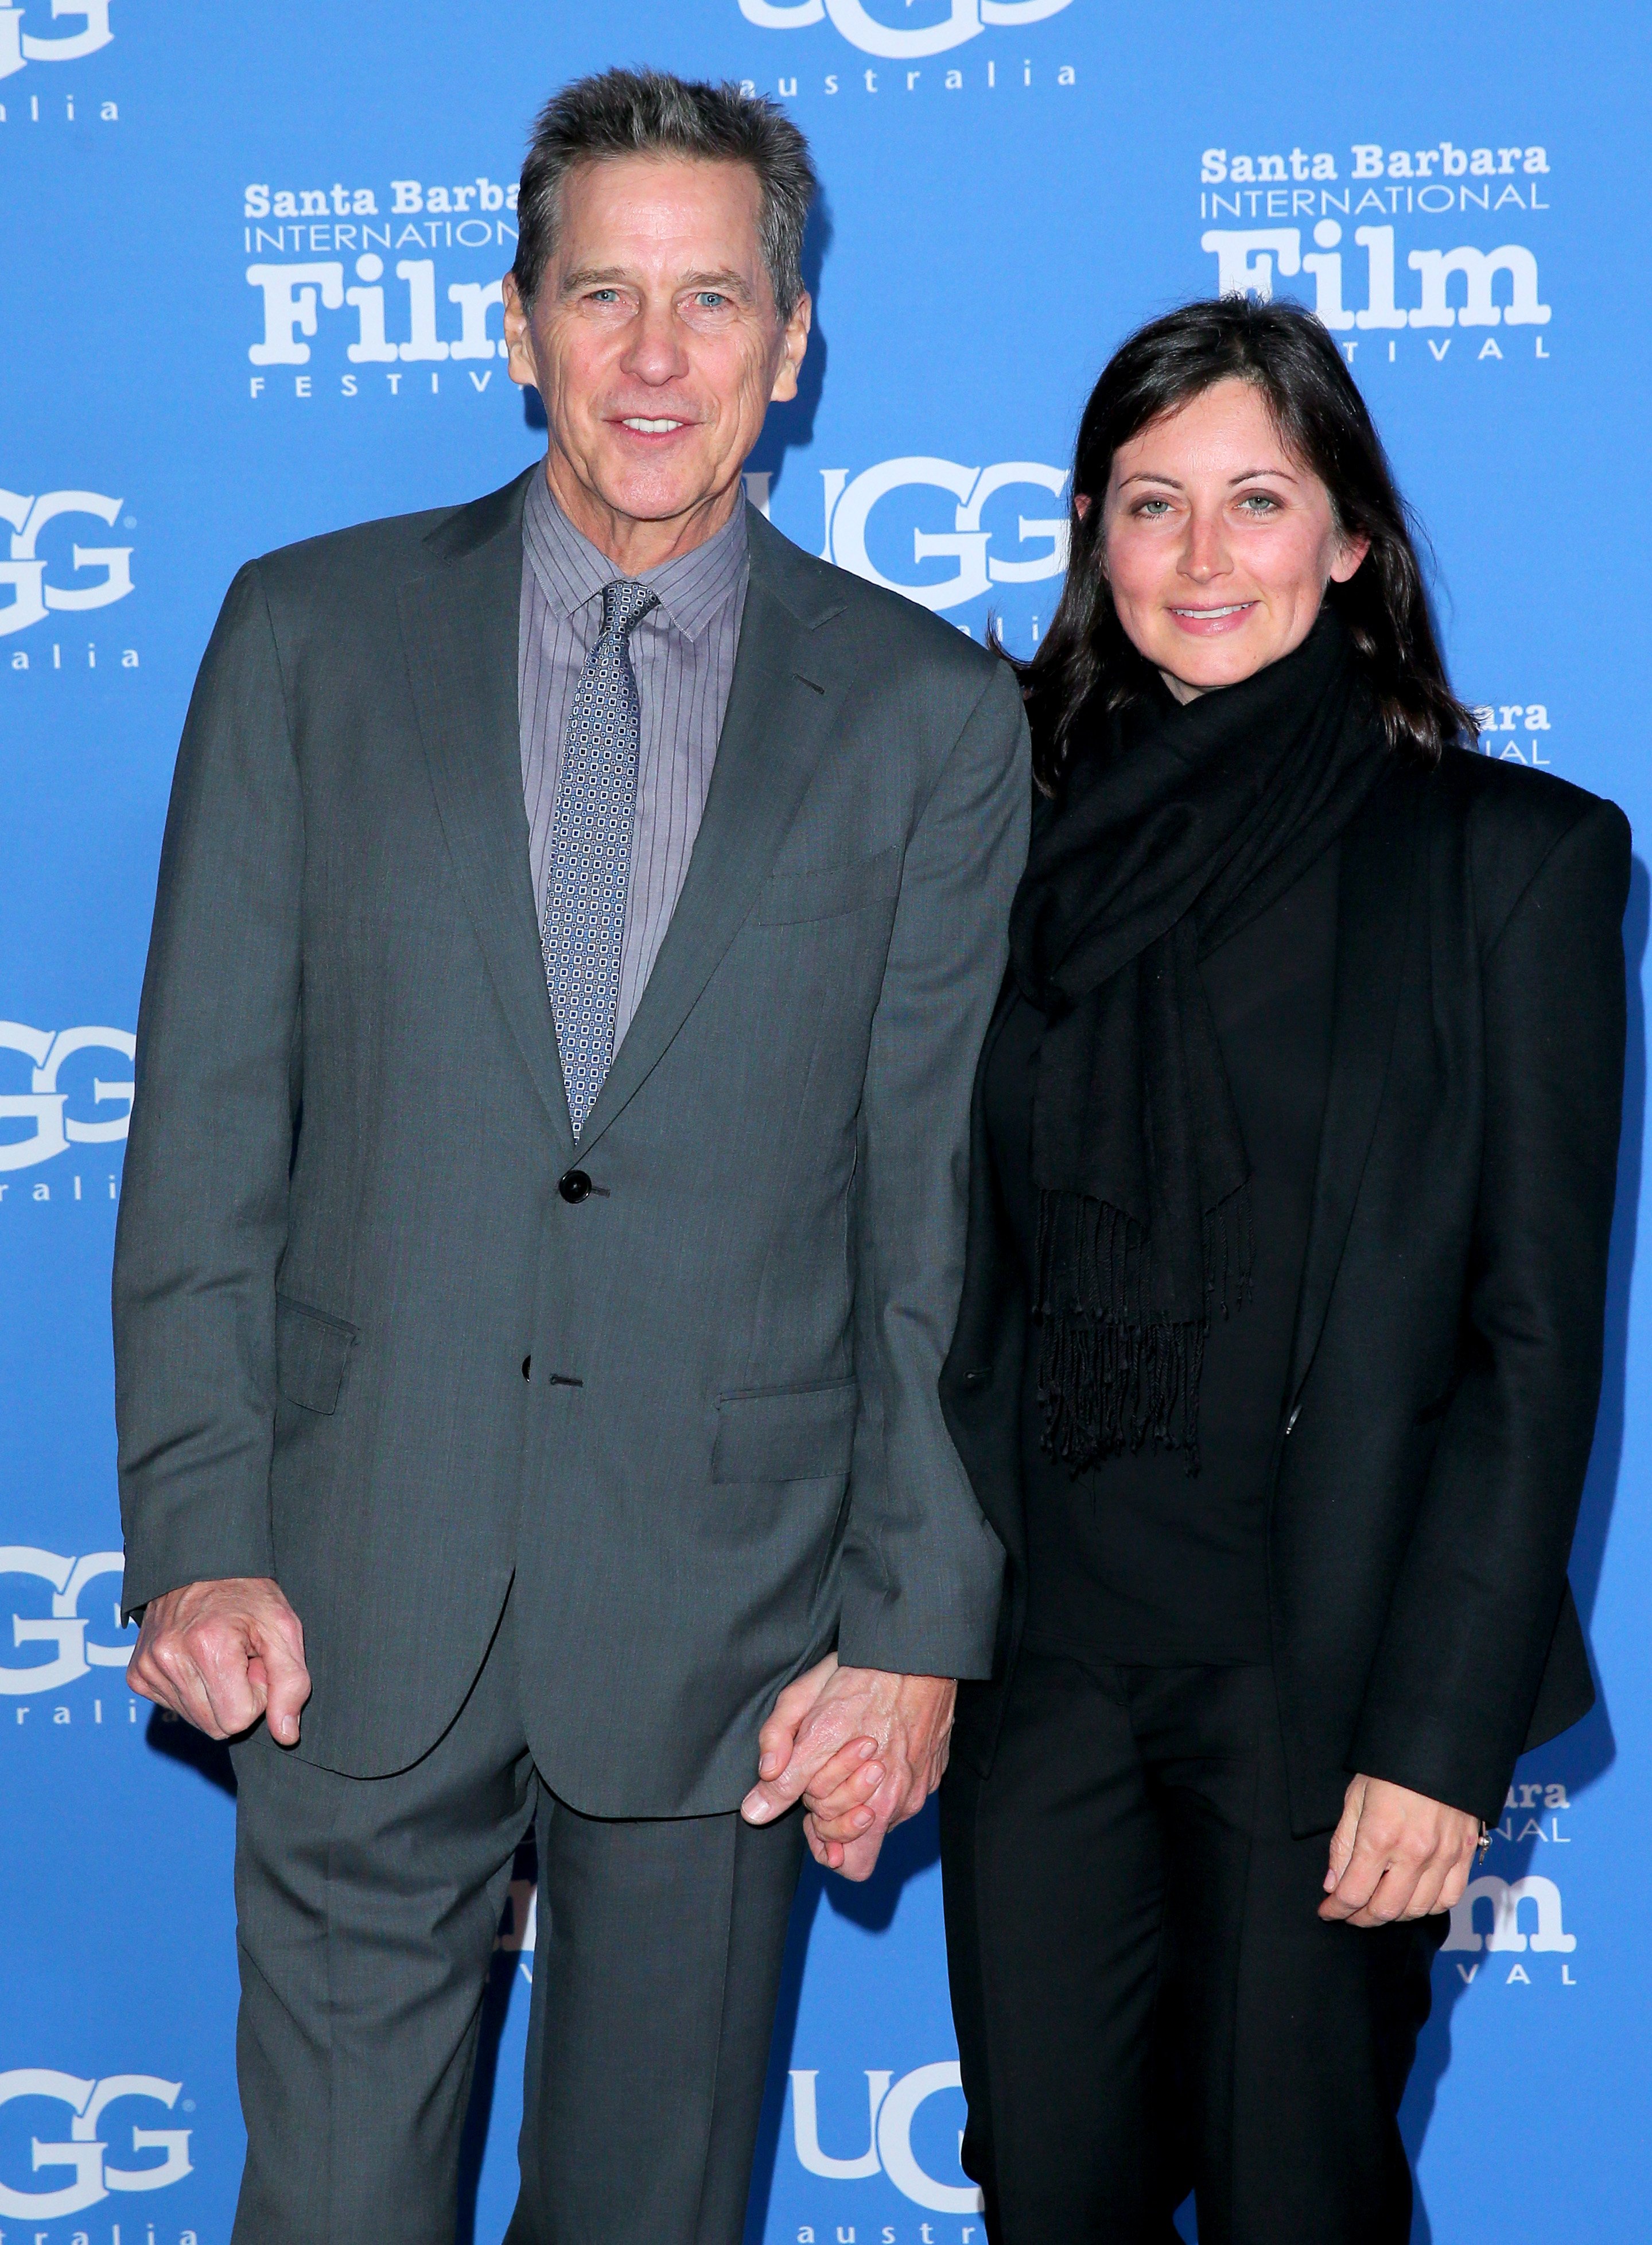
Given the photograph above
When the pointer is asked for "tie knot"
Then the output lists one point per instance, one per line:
(624, 603)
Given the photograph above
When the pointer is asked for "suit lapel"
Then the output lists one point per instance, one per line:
(781, 705)
(459, 629)
(1373, 909)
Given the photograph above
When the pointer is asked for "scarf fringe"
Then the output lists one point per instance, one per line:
(1113, 1370)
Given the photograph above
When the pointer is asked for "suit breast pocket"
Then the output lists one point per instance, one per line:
(785, 1434)
(789, 899)
(312, 1350)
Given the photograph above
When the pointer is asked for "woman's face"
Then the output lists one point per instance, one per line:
(1217, 543)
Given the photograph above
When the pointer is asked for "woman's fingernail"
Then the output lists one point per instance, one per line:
(863, 1817)
(867, 1746)
(872, 1774)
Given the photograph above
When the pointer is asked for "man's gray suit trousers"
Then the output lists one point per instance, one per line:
(368, 1909)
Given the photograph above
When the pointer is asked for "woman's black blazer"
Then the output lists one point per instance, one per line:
(1447, 1364)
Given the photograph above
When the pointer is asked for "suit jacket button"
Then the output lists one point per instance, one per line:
(574, 1186)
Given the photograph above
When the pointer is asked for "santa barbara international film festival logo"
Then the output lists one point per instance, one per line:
(1510, 1924)
(1385, 222)
(55, 2124)
(46, 573)
(71, 1074)
(353, 289)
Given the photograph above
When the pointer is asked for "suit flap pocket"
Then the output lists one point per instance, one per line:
(788, 897)
(311, 1351)
(789, 1434)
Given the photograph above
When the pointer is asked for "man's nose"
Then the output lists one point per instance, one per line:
(654, 352)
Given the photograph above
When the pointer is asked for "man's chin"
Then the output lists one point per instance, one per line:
(663, 493)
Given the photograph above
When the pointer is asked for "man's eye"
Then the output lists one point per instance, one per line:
(604, 296)
(709, 300)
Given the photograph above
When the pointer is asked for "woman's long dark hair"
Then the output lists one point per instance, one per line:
(1085, 663)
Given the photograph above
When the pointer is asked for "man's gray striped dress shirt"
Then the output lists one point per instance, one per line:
(683, 654)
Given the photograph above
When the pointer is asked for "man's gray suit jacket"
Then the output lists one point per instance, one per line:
(364, 1343)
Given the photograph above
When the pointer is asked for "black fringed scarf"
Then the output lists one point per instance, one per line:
(1177, 829)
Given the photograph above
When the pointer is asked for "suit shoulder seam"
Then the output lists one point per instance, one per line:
(944, 764)
(1585, 813)
(256, 573)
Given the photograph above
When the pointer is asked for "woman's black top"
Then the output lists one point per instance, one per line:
(1451, 1306)
(1139, 1560)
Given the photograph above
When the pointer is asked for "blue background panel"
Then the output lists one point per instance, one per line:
(1010, 187)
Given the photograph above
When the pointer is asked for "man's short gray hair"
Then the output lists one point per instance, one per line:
(622, 112)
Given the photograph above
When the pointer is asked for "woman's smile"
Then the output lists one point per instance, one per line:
(1207, 623)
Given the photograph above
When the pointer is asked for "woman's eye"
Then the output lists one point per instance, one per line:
(1260, 502)
(1152, 509)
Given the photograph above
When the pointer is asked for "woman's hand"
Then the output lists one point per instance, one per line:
(1396, 1855)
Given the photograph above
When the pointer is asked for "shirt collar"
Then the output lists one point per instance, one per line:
(571, 571)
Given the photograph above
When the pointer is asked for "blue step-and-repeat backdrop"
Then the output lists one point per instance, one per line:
(249, 290)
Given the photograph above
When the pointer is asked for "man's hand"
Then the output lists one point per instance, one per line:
(1396, 1855)
(222, 1654)
(862, 1748)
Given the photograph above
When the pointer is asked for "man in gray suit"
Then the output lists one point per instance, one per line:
(578, 915)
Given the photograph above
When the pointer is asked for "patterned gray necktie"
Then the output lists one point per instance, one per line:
(584, 904)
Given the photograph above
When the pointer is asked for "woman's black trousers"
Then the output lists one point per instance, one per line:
(1147, 2002)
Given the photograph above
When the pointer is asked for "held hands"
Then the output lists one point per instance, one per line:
(222, 1654)
(863, 1750)
(1396, 1855)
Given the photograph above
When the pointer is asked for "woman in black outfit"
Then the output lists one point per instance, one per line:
(1277, 1370)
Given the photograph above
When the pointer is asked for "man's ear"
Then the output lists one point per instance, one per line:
(518, 336)
(794, 344)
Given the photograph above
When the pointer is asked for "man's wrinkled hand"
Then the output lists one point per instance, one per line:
(222, 1654)
(862, 1748)
(1396, 1855)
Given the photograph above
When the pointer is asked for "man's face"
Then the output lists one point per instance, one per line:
(654, 343)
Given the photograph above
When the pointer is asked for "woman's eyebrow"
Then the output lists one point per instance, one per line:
(1245, 476)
